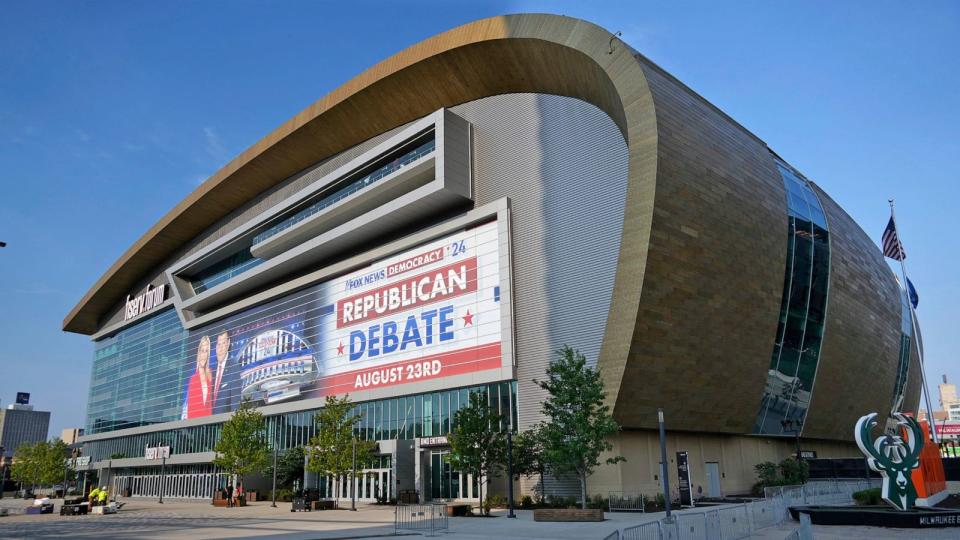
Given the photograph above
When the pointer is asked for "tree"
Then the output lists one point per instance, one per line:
(528, 455)
(26, 464)
(241, 449)
(477, 446)
(331, 450)
(290, 467)
(42, 463)
(578, 419)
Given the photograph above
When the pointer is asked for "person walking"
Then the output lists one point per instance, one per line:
(229, 496)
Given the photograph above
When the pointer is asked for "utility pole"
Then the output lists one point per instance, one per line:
(353, 478)
(274, 503)
(509, 472)
(163, 470)
(663, 466)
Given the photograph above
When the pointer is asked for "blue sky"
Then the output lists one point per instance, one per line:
(112, 112)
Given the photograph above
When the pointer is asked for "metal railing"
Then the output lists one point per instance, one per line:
(615, 535)
(734, 522)
(625, 502)
(421, 517)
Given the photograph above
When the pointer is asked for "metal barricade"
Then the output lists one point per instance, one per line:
(646, 531)
(764, 513)
(421, 517)
(692, 526)
(615, 535)
(734, 522)
(625, 502)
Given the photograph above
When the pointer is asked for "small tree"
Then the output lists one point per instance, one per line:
(331, 450)
(579, 420)
(290, 466)
(54, 467)
(26, 464)
(528, 456)
(477, 446)
(241, 450)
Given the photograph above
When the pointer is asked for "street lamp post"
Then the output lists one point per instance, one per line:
(353, 478)
(510, 473)
(163, 470)
(663, 466)
(274, 503)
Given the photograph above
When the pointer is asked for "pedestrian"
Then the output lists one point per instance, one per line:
(229, 496)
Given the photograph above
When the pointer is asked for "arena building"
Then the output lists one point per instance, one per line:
(443, 222)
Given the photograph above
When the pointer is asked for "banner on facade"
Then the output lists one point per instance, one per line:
(427, 313)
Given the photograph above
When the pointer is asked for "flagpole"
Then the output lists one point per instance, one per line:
(913, 322)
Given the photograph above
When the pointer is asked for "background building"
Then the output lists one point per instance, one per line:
(444, 222)
(70, 435)
(20, 424)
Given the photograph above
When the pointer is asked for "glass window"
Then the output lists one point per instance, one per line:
(796, 352)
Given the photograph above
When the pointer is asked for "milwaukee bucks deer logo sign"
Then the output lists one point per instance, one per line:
(893, 457)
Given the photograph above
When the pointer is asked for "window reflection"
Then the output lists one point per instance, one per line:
(796, 352)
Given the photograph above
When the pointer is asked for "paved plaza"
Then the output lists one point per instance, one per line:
(178, 520)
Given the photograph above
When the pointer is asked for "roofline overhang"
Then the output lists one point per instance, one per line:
(539, 53)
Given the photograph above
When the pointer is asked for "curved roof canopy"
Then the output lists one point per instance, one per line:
(514, 53)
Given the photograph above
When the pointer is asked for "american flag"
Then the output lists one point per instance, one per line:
(891, 243)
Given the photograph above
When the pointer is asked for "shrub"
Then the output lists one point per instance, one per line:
(598, 501)
(788, 472)
(867, 496)
(554, 501)
(494, 501)
(526, 502)
(284, 494)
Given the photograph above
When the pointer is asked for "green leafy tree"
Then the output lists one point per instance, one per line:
(290, 467)
(241, 450)
(477, 446)
(529, 456)
(26, 464)
(578, 418)
(42, 463)
(54, 467)
(331, 450)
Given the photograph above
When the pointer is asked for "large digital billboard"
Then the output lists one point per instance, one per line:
(427, 313)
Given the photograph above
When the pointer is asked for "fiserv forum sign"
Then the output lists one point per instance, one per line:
(427, 313)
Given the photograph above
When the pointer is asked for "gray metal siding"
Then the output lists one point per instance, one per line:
(563, 164)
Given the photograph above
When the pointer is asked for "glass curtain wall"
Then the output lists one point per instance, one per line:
(406, 417)
(796, 352)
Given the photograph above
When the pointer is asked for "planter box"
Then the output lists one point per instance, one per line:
(568, 514)
(455, 510)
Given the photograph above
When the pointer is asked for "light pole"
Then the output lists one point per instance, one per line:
(663, 466)
(163, 470)
(510, 514)
(274, 503)
(353, 478)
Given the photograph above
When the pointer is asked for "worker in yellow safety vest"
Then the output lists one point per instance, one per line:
(94, 495)
(102, 496)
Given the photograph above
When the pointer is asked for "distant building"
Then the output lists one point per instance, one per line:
(953, 412)
(948, 395)
(70, 435)
(20, 424)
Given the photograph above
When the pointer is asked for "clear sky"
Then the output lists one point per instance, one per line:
(112, 112)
